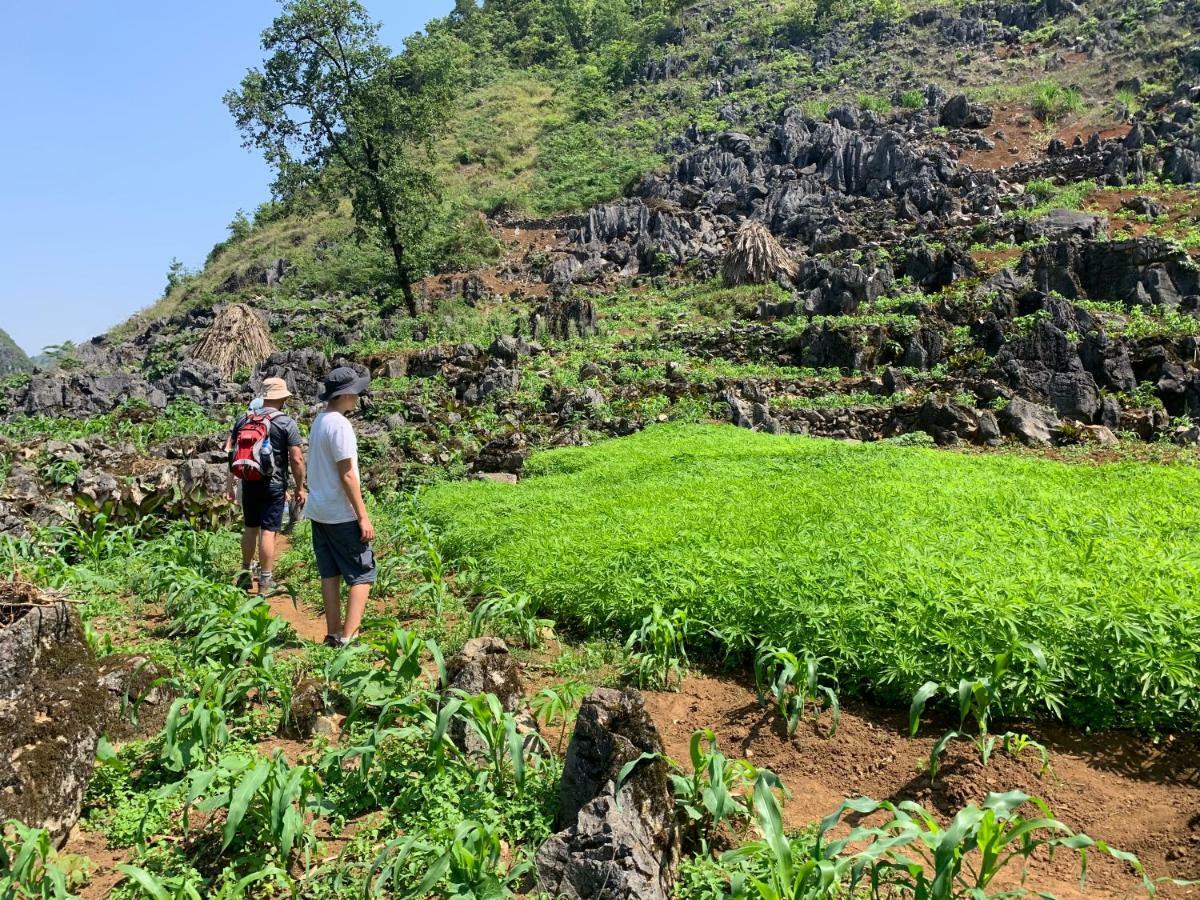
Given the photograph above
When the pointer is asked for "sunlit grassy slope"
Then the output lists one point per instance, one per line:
(902, 564)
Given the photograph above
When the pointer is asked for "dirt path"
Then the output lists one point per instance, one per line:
(1117, 787)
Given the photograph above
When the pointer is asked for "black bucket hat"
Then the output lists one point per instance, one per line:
(344, 380)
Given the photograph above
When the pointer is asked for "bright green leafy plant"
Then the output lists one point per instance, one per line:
(657, 651)
(795, 684)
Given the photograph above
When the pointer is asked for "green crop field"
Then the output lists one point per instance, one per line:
(900, 564)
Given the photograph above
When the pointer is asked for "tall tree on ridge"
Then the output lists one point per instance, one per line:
(333, 109)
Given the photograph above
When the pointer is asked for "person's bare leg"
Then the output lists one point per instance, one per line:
(249, 545)
(354, 608)
(266, 551)
(331, 593)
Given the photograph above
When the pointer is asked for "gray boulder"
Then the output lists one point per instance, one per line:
(1028, 422)
(52, 712)
(484, 666)
(613, 844)
(959, 112)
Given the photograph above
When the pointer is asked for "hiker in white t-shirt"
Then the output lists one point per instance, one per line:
(341, 529)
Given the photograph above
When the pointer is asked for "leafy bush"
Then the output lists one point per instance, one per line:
(788, 539)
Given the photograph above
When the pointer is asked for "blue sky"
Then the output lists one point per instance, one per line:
(118, 152)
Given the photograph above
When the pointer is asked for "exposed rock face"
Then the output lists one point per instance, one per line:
(137, 699)
(564, 319)
(86, 393)
(613, 845)
(1142, 271)
(1030, 423)
(959, 112)
(307, 706)
(484, 666)
(52, 711)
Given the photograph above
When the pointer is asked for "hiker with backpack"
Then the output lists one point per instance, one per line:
(263, 445)
(341, 528)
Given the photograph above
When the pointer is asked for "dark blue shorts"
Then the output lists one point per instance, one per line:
(262, 506)
(341, 551)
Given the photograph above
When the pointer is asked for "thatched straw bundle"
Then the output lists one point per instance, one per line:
(756, 257)
(237, 339)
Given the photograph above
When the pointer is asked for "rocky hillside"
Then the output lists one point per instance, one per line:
(945, 223)
(12, 357)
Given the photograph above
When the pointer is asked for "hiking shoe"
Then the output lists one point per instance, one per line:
(266, 585)
(245, 580)
(332, 640)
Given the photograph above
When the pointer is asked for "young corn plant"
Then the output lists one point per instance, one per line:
(716, 791)
(394, 664)
(28, 868)
(657, 651)
(510, 614)
(430, 563)
(504, 748)
(265, 802)
(795, 684)
(197, 725)
(188, 886)
(912, 854)
(559, 704)
(976, 699)
(469, 865)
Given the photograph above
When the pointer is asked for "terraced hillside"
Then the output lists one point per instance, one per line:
(942, 258)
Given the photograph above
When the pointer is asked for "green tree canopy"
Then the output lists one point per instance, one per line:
(335, 112)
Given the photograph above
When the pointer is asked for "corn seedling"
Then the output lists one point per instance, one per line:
(28, 868)
(468, 864)
(913, 855)
(559, 704)
(197, 725)
(716, 790)
(431, 565)
(976, 698)
(189, 886)
(657, 650)
(264, 800)
(507, 613)
(394, 665)
(795, 684)
(504, 747)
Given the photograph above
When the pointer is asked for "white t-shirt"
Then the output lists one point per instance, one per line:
(330, 440)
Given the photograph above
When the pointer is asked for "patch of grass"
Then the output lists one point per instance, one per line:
(846, 551)
(1052, 102)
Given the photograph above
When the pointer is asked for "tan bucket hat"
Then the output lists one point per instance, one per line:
(275, 389)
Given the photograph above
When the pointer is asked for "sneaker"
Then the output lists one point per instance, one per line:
(332, 640)
(266, 585)
(245, 580)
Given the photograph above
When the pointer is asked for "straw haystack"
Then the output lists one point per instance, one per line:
(237, 340)
(756, 257)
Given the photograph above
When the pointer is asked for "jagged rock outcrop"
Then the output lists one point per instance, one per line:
(1142, 271)
(614, 845)
(52, 712)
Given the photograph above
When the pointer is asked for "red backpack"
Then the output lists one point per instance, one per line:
(252, 456)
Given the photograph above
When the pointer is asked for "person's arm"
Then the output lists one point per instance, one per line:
(296, 454)
(354, 494)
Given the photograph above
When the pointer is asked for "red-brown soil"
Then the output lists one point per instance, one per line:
(1025, 137)
(1118, 787)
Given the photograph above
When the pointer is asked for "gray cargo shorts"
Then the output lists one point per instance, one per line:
(341, 551)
